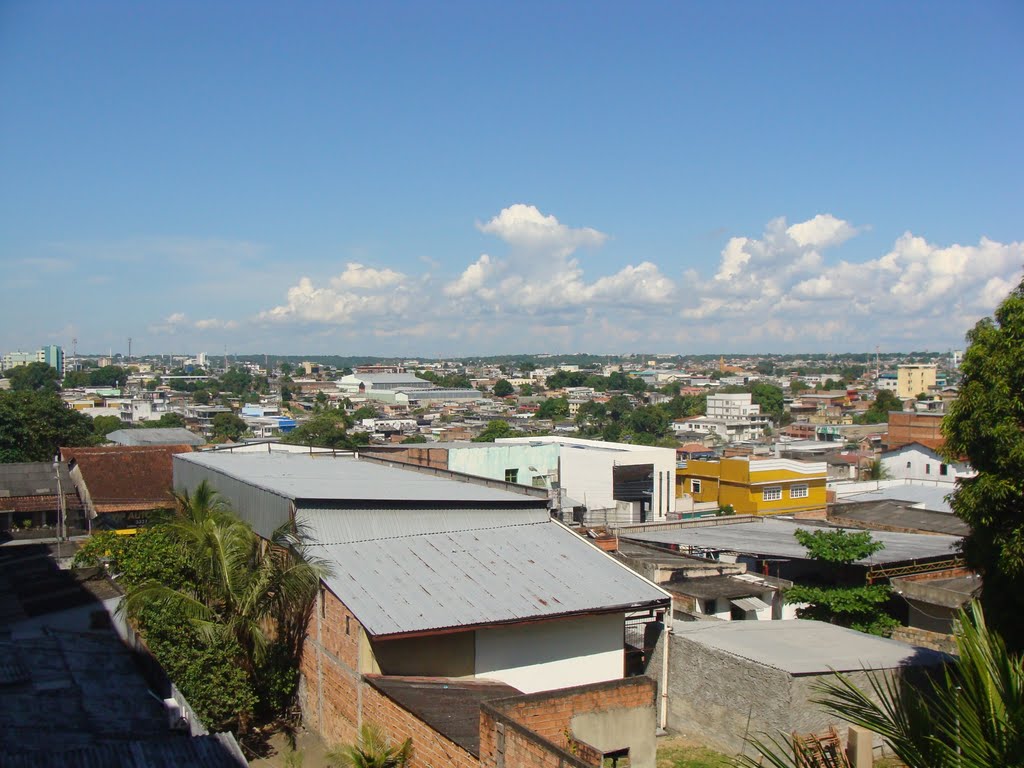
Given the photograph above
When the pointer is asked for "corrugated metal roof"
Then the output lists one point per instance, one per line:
(33, 478)
(156, 436)
(343, 478)
(774, 538)
(463, 578)
(344, 525)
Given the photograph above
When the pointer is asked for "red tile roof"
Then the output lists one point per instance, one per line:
(123, 477)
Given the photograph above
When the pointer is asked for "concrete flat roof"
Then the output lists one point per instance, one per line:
(805, 647)
(771, 537)
(346, 478)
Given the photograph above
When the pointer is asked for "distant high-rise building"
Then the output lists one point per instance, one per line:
(912, 380)
(51, 354)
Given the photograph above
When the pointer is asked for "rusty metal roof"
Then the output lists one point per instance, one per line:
(400, 583)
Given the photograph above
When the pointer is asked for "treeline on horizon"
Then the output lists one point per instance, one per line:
(583, 360)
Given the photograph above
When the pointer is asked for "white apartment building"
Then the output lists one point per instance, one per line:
(737, 406)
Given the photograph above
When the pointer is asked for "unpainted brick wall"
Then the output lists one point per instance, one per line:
(331, 684)
(549, 714)
(505, 744)
(429, 748)
(544, 735)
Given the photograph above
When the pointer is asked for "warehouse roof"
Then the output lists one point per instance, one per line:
(345, 478)
(156, 436)
(805, 647)
(431, 571)
(771, 537)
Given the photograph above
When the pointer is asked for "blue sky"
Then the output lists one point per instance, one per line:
(460, 178)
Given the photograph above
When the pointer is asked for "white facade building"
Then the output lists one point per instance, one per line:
(921, 464)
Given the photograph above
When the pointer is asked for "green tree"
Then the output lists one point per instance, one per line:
(34, 377)
(328, 429)
(968, 715)
(236, 381)
(227, 426)
(373, 750)
(495, 429)
(73, 379)
(553, 408)
(503, 389)
(857, 607)
(35, 425)
(878, 412)
(104, 425)
(878, 471)
(364, 412)
(412, 439)
(526, 390)
(108, 376)
(286, 369)
(168, 420)
(247, 597)
(986, 424)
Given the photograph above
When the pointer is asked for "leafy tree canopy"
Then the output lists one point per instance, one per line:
(858, 607)
(497, 428)
(553, 408)
(34, 426)
(503, 389)
(878, 412)
(986, 424)
(228, 426)
(104, 425)
(34, 377)
(167, 420)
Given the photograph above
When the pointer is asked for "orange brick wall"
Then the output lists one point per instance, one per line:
(429, 748)
(516, 747)
(331, 682)
(548, 715)
(908, 427)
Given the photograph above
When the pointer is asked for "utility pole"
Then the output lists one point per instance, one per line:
(129, 349)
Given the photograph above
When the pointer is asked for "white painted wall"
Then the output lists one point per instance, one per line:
(553, 654)
(924, 465)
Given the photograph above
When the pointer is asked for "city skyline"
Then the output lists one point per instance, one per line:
(403, 181)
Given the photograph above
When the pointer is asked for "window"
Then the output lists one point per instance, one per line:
(908, 465)
(943, 469)
(511, 475)
(695, 486)
(798, 492)
(771, 494)
(927, 469)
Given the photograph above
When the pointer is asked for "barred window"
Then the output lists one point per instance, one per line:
(798, 492)
(771, 494)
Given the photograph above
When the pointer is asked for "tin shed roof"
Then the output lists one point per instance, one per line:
(344, 478)
(465, 576)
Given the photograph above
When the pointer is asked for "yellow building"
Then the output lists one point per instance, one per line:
(912, 380)
(755, 486)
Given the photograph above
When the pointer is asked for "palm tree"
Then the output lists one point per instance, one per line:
(373, 750)
(969, 716)
(245, 589)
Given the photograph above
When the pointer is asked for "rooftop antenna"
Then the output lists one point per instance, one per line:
(129, 349)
